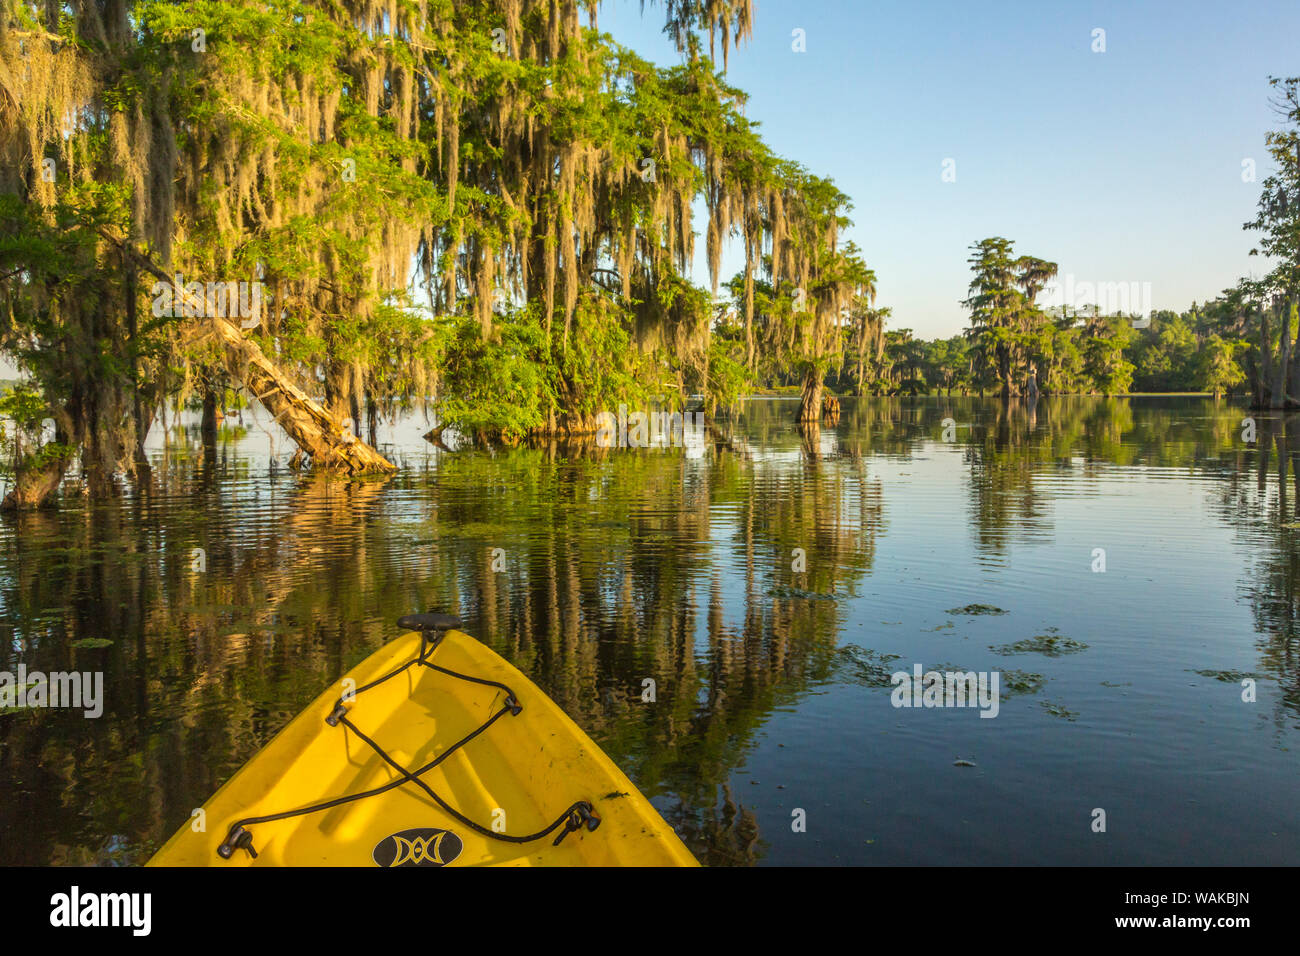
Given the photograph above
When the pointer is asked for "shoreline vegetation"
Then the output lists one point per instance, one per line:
(485, 209)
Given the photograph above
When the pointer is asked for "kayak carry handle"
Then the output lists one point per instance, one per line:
(429, 622)
(432, 627)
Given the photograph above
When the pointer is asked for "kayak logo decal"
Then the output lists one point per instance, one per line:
(423, 846)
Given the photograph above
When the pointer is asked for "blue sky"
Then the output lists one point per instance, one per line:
(1122, 166)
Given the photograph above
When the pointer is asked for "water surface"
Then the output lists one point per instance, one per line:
(1122, 688)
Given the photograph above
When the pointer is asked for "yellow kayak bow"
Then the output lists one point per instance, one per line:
(437, 752)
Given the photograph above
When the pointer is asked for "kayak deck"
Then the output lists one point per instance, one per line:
(518, 776)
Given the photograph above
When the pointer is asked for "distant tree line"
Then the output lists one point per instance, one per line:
(1240, 343)
(1203, 349)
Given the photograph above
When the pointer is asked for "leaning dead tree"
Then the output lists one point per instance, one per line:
(320, 435)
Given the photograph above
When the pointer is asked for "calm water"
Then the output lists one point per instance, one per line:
(772, 685)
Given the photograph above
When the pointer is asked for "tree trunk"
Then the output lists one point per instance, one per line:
(810, 407)
(337, 392)
(208, 430)
(141, 414)
(1264, 381)
(1293, 367)
(862, 360)
(143, 422)
(98, 444)
(1278, 397)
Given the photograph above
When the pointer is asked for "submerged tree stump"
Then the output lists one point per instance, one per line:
(34, 486)
(830, 409)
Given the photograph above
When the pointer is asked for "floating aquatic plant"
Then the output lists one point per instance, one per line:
(1049, 645)
(1021, 682)
(975, 610)
(1230, 677)
(861, 665)
(1057, 710)
(783, 591)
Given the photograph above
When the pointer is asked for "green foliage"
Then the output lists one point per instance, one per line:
(1103, 355)
(488, 154)
(494, 385)
(25, 406)
(1216, 369)
(1278, 218)
(504, 385)
(729, 377)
